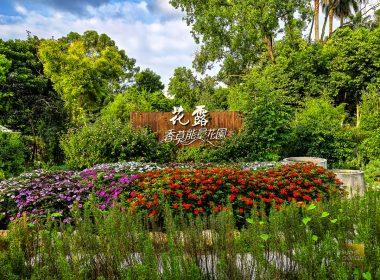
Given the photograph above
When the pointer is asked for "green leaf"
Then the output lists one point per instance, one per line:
(31, 225)
(334, 221)
(261, 222)
(311, 207)
(325, 214)
(306, 220)
(367, 275)
(56, 214)
(249, 220)
(264, 236)
(314, 238)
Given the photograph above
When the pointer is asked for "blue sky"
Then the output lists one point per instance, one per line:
(150, 31)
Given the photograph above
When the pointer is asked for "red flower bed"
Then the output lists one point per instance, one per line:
(212, 190)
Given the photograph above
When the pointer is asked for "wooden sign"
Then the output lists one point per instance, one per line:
(189, 129)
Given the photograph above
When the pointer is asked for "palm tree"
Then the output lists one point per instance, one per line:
(343, 8)
(328, 8)
(339, 8)
(316, 20)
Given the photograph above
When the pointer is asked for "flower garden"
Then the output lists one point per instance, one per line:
(135, 220)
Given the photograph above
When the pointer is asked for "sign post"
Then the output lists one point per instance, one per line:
(189, 129)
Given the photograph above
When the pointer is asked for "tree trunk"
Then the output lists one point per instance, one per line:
(311, 31)
(341, 21)
(316, 20)
(324, 27)
(269, 43)
(331, 18)
(357, 115)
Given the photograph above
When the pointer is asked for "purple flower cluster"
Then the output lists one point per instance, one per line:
(57, 192)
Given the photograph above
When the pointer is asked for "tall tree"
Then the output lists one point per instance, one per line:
(28, 102)
(5, 64)
(149, 81)
(328, 8)
(316, 20)
(343, 8)
(85, 70)
(182, 86)
(238, 33)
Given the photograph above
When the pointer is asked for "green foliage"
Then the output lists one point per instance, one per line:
(132, 100)
(107, 141)
(318, 130)
(370, 109)
(85, 71)
(135, 100)
(5, 64)
(293, 243)
(353, 63)
(370, 146)
(182, 87)
(149, 81)
(13, 154)
(28, 102)
(200, 154)
(266, 123)
(239, 33)
(372, 170)
(189, 92)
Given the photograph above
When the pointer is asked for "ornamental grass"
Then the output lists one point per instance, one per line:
(335, 239)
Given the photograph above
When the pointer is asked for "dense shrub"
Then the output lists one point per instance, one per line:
(369, 148)
(372, 170)
(200, 154)
(13, 154)
(318, 131)
(107, 141)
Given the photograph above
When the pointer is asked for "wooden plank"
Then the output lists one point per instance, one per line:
(160, 123)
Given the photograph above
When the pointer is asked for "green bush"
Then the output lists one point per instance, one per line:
(200, 154)
(369, 148)
(372, 170)
(318, 131)
(107, 141)
(13, 154)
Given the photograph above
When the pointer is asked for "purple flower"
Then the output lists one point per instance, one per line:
(103, 207)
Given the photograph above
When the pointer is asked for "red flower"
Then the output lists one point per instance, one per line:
(241, 210)
(175, 205)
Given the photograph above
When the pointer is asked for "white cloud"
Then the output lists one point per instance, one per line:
(161, 45)
(164, 7)
(21, 9)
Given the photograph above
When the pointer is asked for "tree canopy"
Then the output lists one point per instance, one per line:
(85, 70)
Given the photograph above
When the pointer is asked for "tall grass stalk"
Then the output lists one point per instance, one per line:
(338, 239)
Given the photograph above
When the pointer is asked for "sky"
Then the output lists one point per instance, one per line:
(151, 31)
